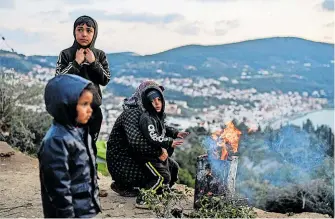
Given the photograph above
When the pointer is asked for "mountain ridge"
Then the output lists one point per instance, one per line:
(276, 63)
(187, 45)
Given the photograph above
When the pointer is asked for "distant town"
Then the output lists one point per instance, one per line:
(248, 105)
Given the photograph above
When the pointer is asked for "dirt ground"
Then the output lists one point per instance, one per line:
(20, 192)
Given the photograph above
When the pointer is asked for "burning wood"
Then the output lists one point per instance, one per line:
(226, 140)
(215, 177)
(216, 172)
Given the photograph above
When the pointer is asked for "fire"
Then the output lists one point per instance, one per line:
(228, 138)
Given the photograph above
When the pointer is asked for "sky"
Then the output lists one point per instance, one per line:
(45, 27)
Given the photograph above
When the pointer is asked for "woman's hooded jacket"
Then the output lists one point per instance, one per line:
(127, 143)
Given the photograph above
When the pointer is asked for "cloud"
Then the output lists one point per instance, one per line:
(192, 28)
(79, 2)
(8, 4)
(222, 27)
(331, 24)
(147, 18)
(328, 5)
(212, 0)
(229, 23)
(67, 2)
(22, 36)
(51, 15)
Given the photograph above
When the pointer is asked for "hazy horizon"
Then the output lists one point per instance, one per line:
(180, 47)
(45, 27)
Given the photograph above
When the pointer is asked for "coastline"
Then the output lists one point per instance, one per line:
(285, 120)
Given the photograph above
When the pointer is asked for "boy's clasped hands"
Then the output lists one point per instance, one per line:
(84, 54)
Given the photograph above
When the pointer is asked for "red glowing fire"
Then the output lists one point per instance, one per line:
(228, 138)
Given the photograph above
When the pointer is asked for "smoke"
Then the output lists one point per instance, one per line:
(220, 168)
(280, 165)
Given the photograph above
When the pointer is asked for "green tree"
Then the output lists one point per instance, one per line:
(308, 126)
(326, 136)
(186, 178)
(19, 126)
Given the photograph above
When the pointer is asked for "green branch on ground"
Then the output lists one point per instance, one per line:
(169, 205)
(221, 207)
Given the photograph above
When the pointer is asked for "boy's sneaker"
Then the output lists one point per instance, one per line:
(140, 203)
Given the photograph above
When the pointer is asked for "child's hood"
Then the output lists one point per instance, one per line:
(147, 103)
(136, 100)
(91, 46)
(61, 96)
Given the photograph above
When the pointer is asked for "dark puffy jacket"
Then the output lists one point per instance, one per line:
(97, 72)
(68, 176)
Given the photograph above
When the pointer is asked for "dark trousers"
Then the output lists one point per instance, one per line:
(160, 173)
(94, 127)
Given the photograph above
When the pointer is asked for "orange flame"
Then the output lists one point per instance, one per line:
(228, 137)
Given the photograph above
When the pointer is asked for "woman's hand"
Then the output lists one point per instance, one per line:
(176, 143)
(164, 155)
(182, 134)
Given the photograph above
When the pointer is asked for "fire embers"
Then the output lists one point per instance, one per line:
(215, 178)
(211, 183)
(216, 171)
(225, 142)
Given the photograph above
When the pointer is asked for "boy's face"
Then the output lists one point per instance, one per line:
(84, 110)
(157, 104)
(84, 34)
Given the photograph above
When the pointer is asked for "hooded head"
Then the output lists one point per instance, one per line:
(61, 97)
(90, 22)
(138, 99)
(148, 98)
(153, 95)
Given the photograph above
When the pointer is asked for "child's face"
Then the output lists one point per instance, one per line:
(84, 34)
(157, 104)
(84, 110)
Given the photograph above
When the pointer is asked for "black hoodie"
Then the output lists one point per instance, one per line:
(97, 72)
(153, 126)
(68, 176)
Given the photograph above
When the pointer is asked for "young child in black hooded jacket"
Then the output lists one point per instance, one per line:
(162, 170)
(88, 62)
(68, 176)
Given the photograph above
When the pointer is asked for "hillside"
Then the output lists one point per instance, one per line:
(20, 191)
(281, 63)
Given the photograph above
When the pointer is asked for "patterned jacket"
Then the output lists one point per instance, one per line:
(126, 142)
